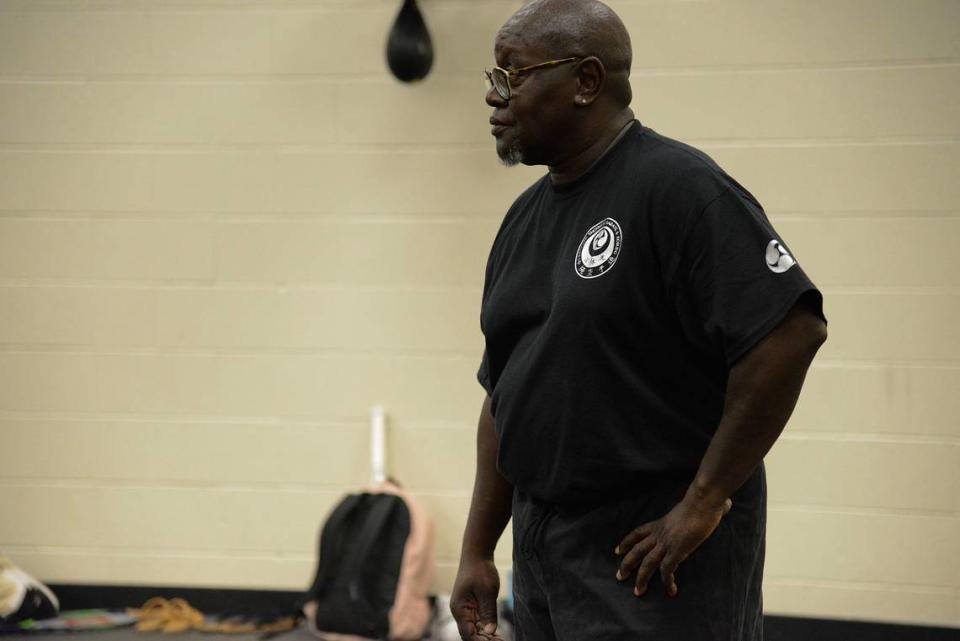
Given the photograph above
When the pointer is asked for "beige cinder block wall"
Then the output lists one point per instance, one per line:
(226, 232)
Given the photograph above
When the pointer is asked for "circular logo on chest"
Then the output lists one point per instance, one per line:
(599, 249)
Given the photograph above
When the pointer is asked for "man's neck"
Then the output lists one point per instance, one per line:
(580, 162)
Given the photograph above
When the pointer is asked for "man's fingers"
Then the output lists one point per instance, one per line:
(466, 629)
(472, 626)
(631, 539)
(634, 557)
(487, 616)
(647, 568)
(466, 617)
(668, 569)
(671, 583)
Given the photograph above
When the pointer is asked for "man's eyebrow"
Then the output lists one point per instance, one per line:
(506, 54)
(513, 61)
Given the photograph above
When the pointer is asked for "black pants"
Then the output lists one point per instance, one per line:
(564, 568)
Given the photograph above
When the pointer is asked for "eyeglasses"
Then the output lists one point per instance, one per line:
(499, 78)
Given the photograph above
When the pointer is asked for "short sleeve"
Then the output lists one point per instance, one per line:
(483, 374)
(736, 279)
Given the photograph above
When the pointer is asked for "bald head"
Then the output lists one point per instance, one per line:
(578, 28)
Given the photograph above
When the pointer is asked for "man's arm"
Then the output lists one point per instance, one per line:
(762, 390)
(474, 599)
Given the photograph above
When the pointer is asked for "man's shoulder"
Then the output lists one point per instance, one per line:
(663, 160)
(681, 175)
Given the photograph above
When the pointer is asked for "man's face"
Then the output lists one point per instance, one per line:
(528, 126)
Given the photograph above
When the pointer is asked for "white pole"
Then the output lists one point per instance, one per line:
(378, 444)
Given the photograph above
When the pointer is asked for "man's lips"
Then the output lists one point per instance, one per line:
(497, 127)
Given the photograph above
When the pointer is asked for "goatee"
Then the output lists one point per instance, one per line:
(510, 154)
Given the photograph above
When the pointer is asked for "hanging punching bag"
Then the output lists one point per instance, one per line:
(409, 50)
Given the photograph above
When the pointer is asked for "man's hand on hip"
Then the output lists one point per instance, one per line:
(474, 600)
(667, 542)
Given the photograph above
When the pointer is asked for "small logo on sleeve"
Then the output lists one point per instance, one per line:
(599, 249)
(778, 258)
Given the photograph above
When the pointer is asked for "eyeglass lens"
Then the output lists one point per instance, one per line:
(497, 79)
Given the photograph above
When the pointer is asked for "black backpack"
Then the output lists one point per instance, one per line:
(361, 550)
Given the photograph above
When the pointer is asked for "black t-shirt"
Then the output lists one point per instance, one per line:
(613, 309)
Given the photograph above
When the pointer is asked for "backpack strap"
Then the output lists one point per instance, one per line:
(363, 590)
(331, 542)
(384, 505)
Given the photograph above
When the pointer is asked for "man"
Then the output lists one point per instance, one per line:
(647, 335)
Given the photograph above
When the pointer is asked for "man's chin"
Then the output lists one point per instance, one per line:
(509, 153)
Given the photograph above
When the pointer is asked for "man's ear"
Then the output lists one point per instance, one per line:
(590, 78)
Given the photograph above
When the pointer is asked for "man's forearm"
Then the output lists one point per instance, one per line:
(492, 494)
(762, 391)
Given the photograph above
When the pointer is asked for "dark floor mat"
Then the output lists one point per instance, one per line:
(129, 634)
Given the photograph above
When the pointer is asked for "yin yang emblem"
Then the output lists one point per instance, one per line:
(599, 249)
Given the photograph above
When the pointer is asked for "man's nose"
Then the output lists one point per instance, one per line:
(494, 99)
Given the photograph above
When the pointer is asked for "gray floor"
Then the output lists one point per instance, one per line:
(129, 634)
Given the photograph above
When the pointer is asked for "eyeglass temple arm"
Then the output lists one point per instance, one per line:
(549, 63)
